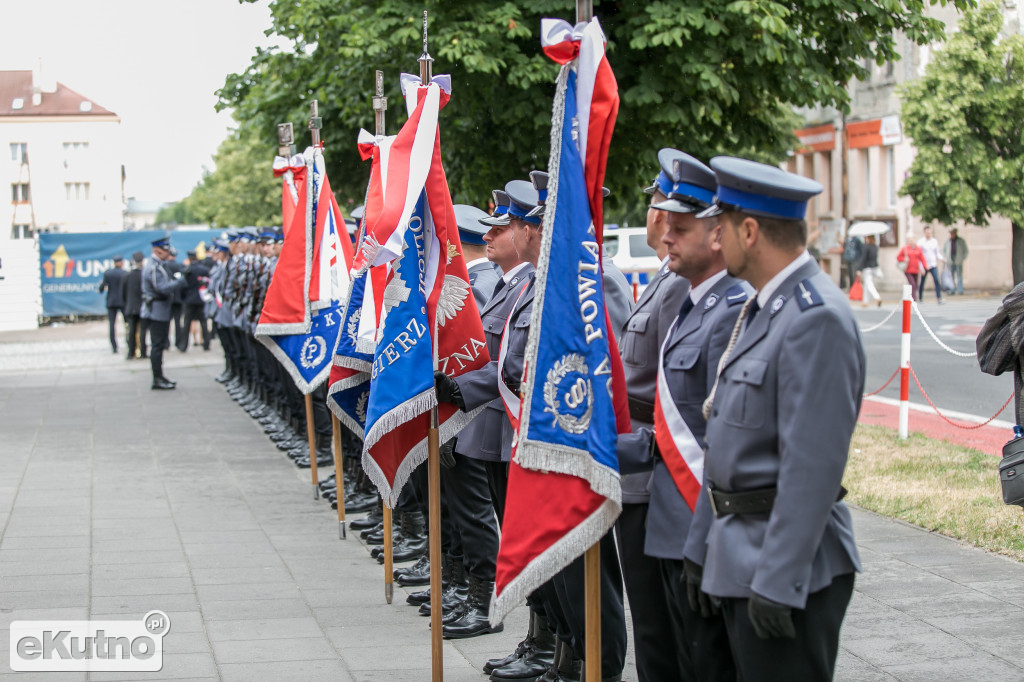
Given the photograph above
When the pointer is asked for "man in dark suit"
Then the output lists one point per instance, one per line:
(113, 281)
(197, 280)
(780, 551)
(131, 292)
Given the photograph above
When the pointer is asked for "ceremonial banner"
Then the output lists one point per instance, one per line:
(425, 312)
(305, 345)
(289, 170)
(564, 489)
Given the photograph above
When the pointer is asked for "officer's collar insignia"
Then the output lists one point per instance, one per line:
(777, 304)
(806, 295)
(711, 301)
(515, 281)
(735, 295)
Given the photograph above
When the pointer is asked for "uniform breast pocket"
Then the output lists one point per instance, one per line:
(744, 403)
(637, 348)
(685, 376)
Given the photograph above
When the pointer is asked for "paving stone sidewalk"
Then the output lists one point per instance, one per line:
(116, 500)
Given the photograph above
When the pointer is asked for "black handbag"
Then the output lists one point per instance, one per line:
(1011, 472)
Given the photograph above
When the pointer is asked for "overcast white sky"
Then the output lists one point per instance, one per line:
(155, 63)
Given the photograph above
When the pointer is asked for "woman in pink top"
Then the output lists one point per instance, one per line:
(911, 253)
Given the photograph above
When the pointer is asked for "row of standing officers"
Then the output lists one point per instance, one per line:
(736, 551)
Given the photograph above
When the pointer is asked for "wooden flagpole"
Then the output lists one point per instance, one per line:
(592, 560)
(380, 105)
(339, 475)
(315, 123)
(433, 473)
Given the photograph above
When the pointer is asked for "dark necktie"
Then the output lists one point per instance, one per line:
(498, 287)
(685, 308)
(754, 307)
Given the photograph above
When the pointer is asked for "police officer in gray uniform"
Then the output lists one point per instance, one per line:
(780, 549)
(466, 494)
(640, 343)
(158, 289)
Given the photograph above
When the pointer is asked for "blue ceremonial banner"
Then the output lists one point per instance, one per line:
(574, 432)
(308, 357)
(71, 266)
(402, 374)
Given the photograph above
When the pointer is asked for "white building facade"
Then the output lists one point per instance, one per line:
(862, 160)
(60, 160)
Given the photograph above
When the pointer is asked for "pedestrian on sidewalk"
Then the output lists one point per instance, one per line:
(955, 252)
(929, 246)
(868, 271)
(113, 280)
(131, 292)
(916, 264)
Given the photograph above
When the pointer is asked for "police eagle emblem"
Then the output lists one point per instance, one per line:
(453, 296)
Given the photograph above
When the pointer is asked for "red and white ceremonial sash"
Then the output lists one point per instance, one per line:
(680, 450)
(510, 399)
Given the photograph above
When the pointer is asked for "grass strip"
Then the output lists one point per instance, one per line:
(934, 484)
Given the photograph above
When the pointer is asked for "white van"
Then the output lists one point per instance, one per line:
(628, 249)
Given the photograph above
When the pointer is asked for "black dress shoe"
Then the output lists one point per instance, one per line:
(417, 598)
(369, 521)
(537, 658)
(321, 461)
(417, 574)
(357, 504)
(161, 384)
(472, 620)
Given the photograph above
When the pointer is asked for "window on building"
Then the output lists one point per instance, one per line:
(74, 152)
(21, 232)
(890, 68)
(19, 193)
(866, 161)
(19, 152)
(890, 162)
(76, 191)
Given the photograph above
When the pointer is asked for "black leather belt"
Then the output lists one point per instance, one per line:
(758, 501)
(641, 410)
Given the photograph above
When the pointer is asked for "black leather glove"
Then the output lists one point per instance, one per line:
(770, 619)
(700, 601)
(447, 452)
(447, 390)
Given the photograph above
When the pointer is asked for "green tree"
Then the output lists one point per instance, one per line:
(707, 76)
(241, 190)
(966, 117)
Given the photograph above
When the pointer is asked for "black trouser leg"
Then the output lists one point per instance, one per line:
(497, 481)
(158, 331)
(176, 319)
(133, 331)
(472, 515)
(571, 593)
(652, 624)
(226, 345)
(143, 334)
(112, 319)
(702, 643)
(810, 656)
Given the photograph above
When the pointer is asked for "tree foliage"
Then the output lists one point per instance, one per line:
(241, 190)
(706, 76)
(966, 117)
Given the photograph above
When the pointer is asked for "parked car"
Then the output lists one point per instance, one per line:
(628, 249)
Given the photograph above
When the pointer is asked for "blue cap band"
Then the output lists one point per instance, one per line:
(468, 237)
(542, 195)
(663, 182)
(521, 214)
(500, 210)
(783, 208)
(693, 191)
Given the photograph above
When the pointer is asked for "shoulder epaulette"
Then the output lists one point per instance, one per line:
(735, 295)
(806, 295)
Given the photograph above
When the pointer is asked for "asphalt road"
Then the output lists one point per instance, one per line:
(952, 382)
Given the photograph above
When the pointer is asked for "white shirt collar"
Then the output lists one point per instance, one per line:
(476, 261)
(512, 273)
(698, 292)
(768, 289)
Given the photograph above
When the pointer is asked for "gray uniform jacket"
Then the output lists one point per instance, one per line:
(785, 410)
(483, 277)
(618, 294)
(225, 317)
(158, 288)
(639, 344)
(216, 288)
(489, 435)
(691, 360)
